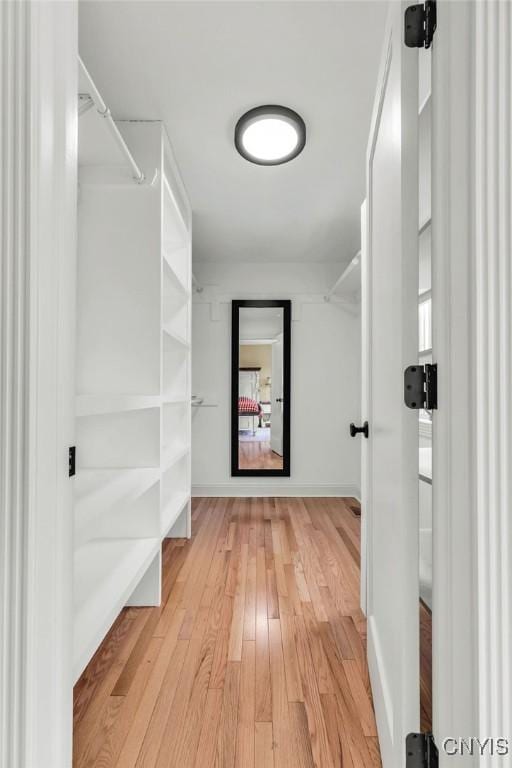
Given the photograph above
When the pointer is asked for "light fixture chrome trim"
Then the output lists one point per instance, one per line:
(269, 111)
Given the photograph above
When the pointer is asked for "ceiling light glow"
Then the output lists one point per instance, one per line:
(270, 135)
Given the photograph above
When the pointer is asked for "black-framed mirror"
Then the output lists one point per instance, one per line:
(260, 387)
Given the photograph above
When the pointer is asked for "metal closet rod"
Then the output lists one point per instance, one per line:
(105, 113)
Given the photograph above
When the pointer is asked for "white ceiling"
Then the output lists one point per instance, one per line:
(200, 65)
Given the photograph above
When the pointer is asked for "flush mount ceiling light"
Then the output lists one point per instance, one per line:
(270, 135)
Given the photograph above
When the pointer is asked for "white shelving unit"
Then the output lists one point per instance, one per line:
(133, 403)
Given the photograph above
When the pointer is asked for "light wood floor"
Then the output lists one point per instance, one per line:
(255, 659)
(258, 455)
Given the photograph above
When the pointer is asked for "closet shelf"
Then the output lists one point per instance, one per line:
(102, 491)
(172, 510)
(176, 337)
(177, 280)
(95, 405)
(173, 455)
(425, 104)
(106, 572)
(427, 221)
(425, 462)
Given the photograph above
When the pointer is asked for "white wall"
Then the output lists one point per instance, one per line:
(325, 460)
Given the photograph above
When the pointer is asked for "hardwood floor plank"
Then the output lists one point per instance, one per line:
(264, 745)
(249, 632)
(263, 686)
(322, 669)
(280, 711)
(373, 748)
(220, 656)
(316, 723)
(148, 753)
(340, 748)
(291, 662)
(246, 710)
(300, 736)
(207, 747)
(226, 740)
(237, 624)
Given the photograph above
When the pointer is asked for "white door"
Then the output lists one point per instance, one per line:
(391, 462)
(276, 422)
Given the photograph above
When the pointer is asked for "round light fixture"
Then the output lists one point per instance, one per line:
(270, 135)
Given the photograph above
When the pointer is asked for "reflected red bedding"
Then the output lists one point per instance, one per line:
(248, 407)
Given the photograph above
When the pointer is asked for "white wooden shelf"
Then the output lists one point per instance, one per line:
(106, 572)
(104, 492)
(425, 465)
(179, 282)
(96, 405)
(425, 104)
(101, 487)
(427, 221)
(173, 509)
(176, 400)
(176, 337)
(172, 455)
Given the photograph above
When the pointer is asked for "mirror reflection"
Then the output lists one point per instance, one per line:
(260, 388)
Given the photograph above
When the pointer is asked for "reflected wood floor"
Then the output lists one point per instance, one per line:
(258, 455)
(425, 668)
(256, 658)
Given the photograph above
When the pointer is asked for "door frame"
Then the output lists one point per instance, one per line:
(38, 209)
(472, 284)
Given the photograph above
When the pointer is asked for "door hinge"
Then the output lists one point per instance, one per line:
(420, 386)
(72, 461)
(421, 751)
(420, 24)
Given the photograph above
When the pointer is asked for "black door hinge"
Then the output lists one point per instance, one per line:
(420, 386)
(72, 461)
(421, 751)
(420, 24)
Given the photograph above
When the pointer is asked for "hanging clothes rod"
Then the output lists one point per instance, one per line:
(348, 269)
(105, 113)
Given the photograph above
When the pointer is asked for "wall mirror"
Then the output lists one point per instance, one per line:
(260, 388)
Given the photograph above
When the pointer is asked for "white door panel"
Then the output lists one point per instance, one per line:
(391, 338)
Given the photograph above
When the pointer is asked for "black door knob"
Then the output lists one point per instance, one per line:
(356, 430)
(279, 399)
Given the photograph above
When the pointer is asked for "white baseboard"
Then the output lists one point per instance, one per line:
(273, 489)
